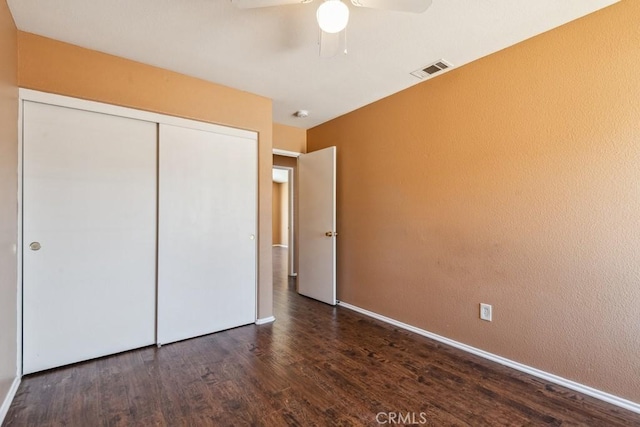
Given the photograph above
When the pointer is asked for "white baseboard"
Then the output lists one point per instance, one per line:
(265, 320)
(589, 391)
(8, 399)
(280, 246)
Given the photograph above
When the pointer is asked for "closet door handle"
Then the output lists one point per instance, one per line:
(35, 246)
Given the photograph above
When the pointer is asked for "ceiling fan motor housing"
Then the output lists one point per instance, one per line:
(332, 16)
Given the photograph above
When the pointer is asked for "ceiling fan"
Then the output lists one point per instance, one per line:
(333, 16)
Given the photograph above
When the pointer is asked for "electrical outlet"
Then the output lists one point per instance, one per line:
(486, 312)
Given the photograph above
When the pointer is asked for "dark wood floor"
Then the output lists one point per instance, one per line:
(316, 365)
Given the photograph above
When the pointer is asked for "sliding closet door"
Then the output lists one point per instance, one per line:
(207, 232)
(89, 209)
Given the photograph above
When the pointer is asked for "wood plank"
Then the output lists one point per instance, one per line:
(316, 365)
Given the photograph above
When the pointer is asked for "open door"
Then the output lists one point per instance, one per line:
(317, 225)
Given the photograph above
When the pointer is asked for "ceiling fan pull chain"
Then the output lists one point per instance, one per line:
(345, 41)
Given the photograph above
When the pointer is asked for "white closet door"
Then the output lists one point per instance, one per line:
(207, 232)
(89, 209)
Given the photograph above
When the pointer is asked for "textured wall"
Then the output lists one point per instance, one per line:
(289, 138)
(8, 198)
(515, 181)
(61, 68)
(280, 217)
(276, 216)
(284, 214)
(290, 162)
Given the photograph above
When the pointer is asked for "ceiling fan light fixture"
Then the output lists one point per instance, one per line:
(333, 16)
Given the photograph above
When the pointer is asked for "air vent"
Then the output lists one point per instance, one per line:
(432, 69)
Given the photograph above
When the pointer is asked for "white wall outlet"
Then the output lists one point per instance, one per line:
(486, 312)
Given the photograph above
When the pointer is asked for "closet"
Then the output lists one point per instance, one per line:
(138, 229)
(207, 251)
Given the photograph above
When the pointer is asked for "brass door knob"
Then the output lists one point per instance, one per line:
(329, 234)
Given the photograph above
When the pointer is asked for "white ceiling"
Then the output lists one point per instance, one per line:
(273, 51)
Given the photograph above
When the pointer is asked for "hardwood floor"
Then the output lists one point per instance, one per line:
(316, 365)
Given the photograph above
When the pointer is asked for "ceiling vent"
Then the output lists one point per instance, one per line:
(432, 69)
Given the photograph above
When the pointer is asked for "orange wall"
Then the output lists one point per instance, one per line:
(276, 217)
(290, 162)
(61, 68)
(8, 199)
(284, 214)
(280, 218)
(289, 138)
(512, 181)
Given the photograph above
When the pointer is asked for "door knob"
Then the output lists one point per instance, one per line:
(34, 246)
(329, 234)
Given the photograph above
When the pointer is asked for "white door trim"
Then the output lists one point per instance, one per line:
(19, 246)
(131, 113)
(286, 153)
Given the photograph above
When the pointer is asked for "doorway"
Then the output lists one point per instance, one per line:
(283, 214)
(311, 222)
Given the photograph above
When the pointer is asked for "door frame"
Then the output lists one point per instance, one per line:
(291, 268)
(114, 110)
(293, 248)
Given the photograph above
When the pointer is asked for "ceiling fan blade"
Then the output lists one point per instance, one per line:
(252, 4)
(330, 44)
(414, 6)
